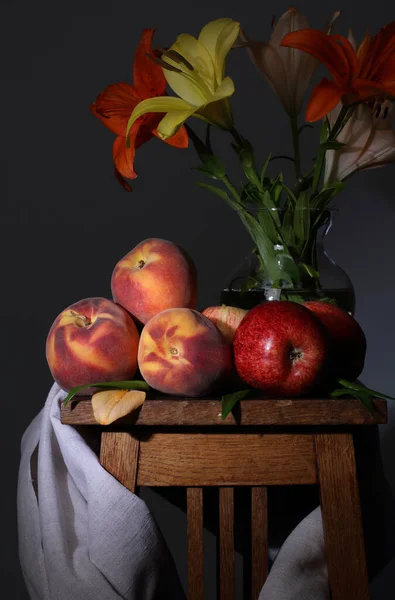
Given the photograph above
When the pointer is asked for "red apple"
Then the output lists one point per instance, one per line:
(226, 318)
(347, 341)
(280, 347)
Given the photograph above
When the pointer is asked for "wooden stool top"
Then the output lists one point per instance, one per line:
(161, 410)
(184, 442)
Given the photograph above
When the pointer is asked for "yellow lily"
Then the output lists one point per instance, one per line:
(195, 70)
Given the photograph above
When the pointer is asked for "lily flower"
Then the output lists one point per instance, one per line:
(287, 71)
(115, 103)
(369, 141)
(195, 70)
(357, 76)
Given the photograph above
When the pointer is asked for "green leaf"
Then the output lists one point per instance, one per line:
(230, 400)
(277, 188)
(327, 300)
(264, 169)
(290, 193)
(313, 273)
(360, 391)
(295, 298)
(267, 220)
(360, 387)
(324, 131)
(301, 223)
(219, 192)
(266, 249)
(363, 396)
(332, 145)
(117, 385)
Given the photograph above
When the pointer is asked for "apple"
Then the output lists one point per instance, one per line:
(156, 275)
(280, 347)
(347, 341)
(91, 341)
(226, 318)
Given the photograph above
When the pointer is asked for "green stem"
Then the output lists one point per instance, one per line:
(295, 140)
(237, 137)
(226, 181)
(340, 122)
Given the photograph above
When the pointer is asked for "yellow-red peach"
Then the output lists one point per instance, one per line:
(154, 276)
(91, 341)
(182, 352)
(226, 318)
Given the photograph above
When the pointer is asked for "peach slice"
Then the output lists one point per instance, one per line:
(110, 405)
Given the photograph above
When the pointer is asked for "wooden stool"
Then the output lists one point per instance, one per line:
(177, 442)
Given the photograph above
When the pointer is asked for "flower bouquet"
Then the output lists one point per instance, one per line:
(287, 221)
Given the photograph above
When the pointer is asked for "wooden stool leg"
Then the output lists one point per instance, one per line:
(259, 540)
(341, 516)
(195, 543)
(226, 544)
(119, 452)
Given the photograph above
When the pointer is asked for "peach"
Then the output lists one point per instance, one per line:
(182, 352)
(226, 318)
(154, 276)
(92, 341)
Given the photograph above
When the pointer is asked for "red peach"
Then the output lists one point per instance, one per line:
(91, 341)
(154, 276)
(226, 318)
(182, 352)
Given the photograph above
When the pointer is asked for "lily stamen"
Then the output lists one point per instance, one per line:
(163, 64)
(177, 57)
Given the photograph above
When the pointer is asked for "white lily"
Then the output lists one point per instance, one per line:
(288, 71)
(195, 70)
(369, 141)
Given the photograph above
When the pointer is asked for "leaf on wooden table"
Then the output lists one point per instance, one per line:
(110, 405)
(230, 400)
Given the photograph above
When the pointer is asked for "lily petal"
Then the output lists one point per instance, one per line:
(179, 140)
(193, 86)
(291, 20)
(268, 61)
(114, 105)
(148, 77)
(172, 122)
(123, 157)
(161, 104)
(324, 98)
(217, 111)
(323, 48)
(366, 88)
(370, 143)
(218, 38)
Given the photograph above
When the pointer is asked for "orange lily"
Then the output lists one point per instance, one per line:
(116, 102)
(357, 76)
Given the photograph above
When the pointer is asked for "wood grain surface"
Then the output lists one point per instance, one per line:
(226, 544)
(205, 411)
(119, 456)
(195, 543)
(226, 459)
(259, 540)
(344, 543)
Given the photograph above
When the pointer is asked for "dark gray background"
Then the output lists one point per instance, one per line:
(65, 221)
